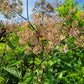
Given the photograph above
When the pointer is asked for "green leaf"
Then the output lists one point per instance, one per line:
(32, 27)
(28, 77)
(23, 48)
(82, 70)
(28, 80)
(2, 80)
(72, 75)
(15, 72)
(79, 63)
(22, 83)
(11, 46)
(68, 64)
(2, 38)
(51, 63)
(18, 62)
(61, 74)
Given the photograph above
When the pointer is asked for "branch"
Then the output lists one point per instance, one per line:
(47, 55)
(42, 47)
(51, 50)
(66, 52)
(10, 44)
(33, 64)
(25, 63)
(28, 21)
(20, 15)
(77, 39)
(42, 73)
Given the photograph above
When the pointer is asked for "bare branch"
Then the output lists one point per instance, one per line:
(28, 21)
(20, 15)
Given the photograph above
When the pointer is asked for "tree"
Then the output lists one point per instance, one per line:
(42, 10)
(9, 8)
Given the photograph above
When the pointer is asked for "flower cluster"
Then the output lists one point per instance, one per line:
(49, 33)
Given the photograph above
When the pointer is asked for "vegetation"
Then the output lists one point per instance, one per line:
(9, 8)
(48, 51)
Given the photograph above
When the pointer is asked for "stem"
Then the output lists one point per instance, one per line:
(25, 63)
(42, 72)
(16, 55)
(51, 50)
(20, 15)
(27, 11)
(77, 39)
(12, 45)
(33, 64)
(28, 21)
(66, 52)
(43, 48)
(42, 16)
(47, 55)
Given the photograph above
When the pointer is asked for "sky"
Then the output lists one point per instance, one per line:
(31, 5)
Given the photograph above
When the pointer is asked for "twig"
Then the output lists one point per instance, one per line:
(77, 39)
(28, 21)
(42, 72)
(26, 63)
(43, 48)
(16, 55)
(20, 15)
(33, 64)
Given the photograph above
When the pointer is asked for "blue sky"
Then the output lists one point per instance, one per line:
(31, 5)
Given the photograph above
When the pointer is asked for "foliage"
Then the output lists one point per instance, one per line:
(42, 10)
(52, 53)
(8, 8)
